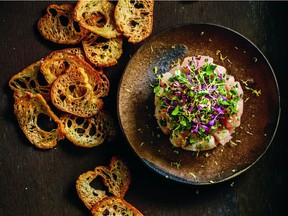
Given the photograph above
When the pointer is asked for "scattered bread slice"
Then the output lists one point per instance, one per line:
(102, 52)
(89, 132)
(61, 61)
(114, 206)
(29, 109)
(97, 16)
(58, 25)
(135, 19)
(72, 93)
(30, 80)
(89, 195)
(116, 177)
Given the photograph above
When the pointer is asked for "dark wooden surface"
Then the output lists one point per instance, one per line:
(35, 182)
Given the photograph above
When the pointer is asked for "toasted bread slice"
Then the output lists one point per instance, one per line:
(112, 206)
(30, 80)
(89, 132)
(135, 19)
(89, 195)
(97, 16)
(116, 177)
(30, 110)
(61, 61)
(58, 25)
(72, 93)
(102, 52)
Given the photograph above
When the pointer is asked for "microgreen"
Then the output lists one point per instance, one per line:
(196, 100)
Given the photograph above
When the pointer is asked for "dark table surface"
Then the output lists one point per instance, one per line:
(35, 182)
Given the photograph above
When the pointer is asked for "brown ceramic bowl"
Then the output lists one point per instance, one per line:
(244, 61)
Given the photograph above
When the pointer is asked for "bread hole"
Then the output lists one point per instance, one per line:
(71, 88)
(79, 120)
(105, 47)
(144, 13)
(66, 64)
(95, 88)
(20, 83)
(53, 12)
(96, 19)
(62, 97)
(76, 26)
(77, 91)
(41, 79)
(85, 125)
(137, 5)
(133, 23)
(101, 40)
(46, 123)
(114, 176)
(64, 20)
(100, 20)
(69, 123)
(98, 184)
(92, 130)
(32, 84)
(59, 67)
(80, 131)
(105, 212)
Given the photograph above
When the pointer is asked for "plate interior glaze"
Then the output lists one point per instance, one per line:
(243, 60)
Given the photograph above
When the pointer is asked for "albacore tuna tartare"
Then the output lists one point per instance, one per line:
(198, 104)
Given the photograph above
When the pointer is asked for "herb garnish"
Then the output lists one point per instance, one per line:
(196, 100)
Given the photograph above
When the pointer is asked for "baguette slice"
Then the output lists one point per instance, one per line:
(89, 132)
(89, 195)
(135, 19)
(116, 177)
(97, 16)
(102, 52)
(114, 206)
(72, 93)
(30, 80)
(62, 61)
(58, 25)
(29, 110)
